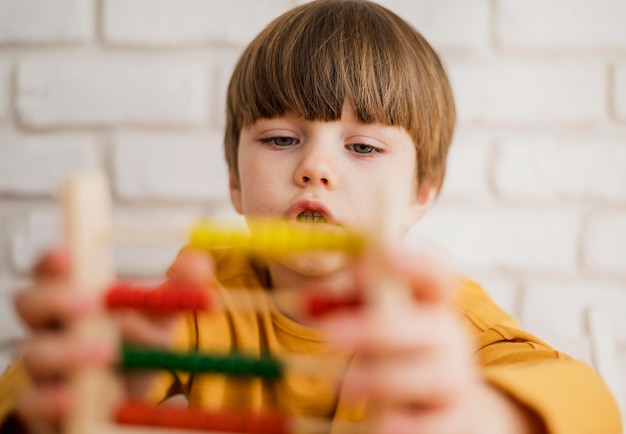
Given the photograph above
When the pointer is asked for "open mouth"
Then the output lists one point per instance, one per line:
(311, 217)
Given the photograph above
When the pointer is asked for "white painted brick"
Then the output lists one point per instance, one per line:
(559, 167)
(184, 22)
(499, 238)
(38, 230)
(35, 233)
(560, 308)
(619, 97)
(11, 328)
(105, 91)
(5, 68)
(41, 229)
(447, 24)
(503, 290)
(605, 243)
(150, 260)
(561, 24)
(36, 165)
(170, 166)
(467, 167)
(516, 91)
(223, 65)
(46, 21)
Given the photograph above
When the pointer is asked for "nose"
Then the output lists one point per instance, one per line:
(316, 167)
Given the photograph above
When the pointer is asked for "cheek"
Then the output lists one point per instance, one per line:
(258, 190)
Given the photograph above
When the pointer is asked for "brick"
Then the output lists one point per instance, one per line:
(560, 308)
(107, 91)
(522, 92)
(495, 238)
(561, 24)
(468, 164)
(153, 259)
(32, 234)
(46, 21)
(37, 230)
(619, 97)
(187, 22)
(605, 243)
(503, 290)
(150, 260)
(10, 325)
(5, 85)
(170, 166)
(36, 165)
(447, 24)
(559, 167)
(223, 65)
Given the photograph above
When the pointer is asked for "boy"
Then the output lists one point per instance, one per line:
(333, 105)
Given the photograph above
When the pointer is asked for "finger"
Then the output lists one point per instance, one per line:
(429, 278)
(49, 404)
(193, 266)
(53, 356)
(411, 328)
(151, 330)
(39, 308)
(54, 264)
(424, 382)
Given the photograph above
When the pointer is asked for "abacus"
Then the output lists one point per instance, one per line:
(100, 406)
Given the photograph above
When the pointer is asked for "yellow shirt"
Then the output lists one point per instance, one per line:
(566, 394)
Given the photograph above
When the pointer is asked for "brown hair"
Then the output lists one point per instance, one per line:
(315, 57)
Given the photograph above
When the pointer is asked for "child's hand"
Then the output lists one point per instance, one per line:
(417, 366)
(52, 304)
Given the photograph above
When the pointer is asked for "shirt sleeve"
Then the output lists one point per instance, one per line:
(13, 381)
(566, 394)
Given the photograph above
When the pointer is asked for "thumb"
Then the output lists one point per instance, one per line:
(192, 266)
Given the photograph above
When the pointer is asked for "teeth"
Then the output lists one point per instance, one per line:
(311, 217)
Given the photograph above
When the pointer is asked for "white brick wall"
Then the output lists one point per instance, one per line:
(187, 22)
(534, 205)
(562, 167)
(4, 89)
(35, 165)
(46, 22)
(32, 233)
(110, 91)
(459, 25)
(517, 239)
(170, 166)
(561, 24)
(527, 91)
(469, 159)
(605, 243)
(620, 92)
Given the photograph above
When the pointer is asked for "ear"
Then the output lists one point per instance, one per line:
(235, 192)
(425, 197)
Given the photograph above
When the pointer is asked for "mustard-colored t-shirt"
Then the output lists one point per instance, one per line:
(566, 394)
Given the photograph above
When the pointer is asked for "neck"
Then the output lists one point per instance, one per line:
(291, 285)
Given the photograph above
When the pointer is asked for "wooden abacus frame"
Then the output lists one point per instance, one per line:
(87, 210)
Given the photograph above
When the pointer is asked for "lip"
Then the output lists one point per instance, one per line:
(310, 205)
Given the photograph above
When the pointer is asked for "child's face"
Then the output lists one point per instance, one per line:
(336, 175)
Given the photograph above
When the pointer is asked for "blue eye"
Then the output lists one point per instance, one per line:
(281, 142)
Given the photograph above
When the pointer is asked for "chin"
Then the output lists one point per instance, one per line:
(316, 263)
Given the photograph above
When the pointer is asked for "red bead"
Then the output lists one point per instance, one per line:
(168, 297)
(137, 413)
(319, 305)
